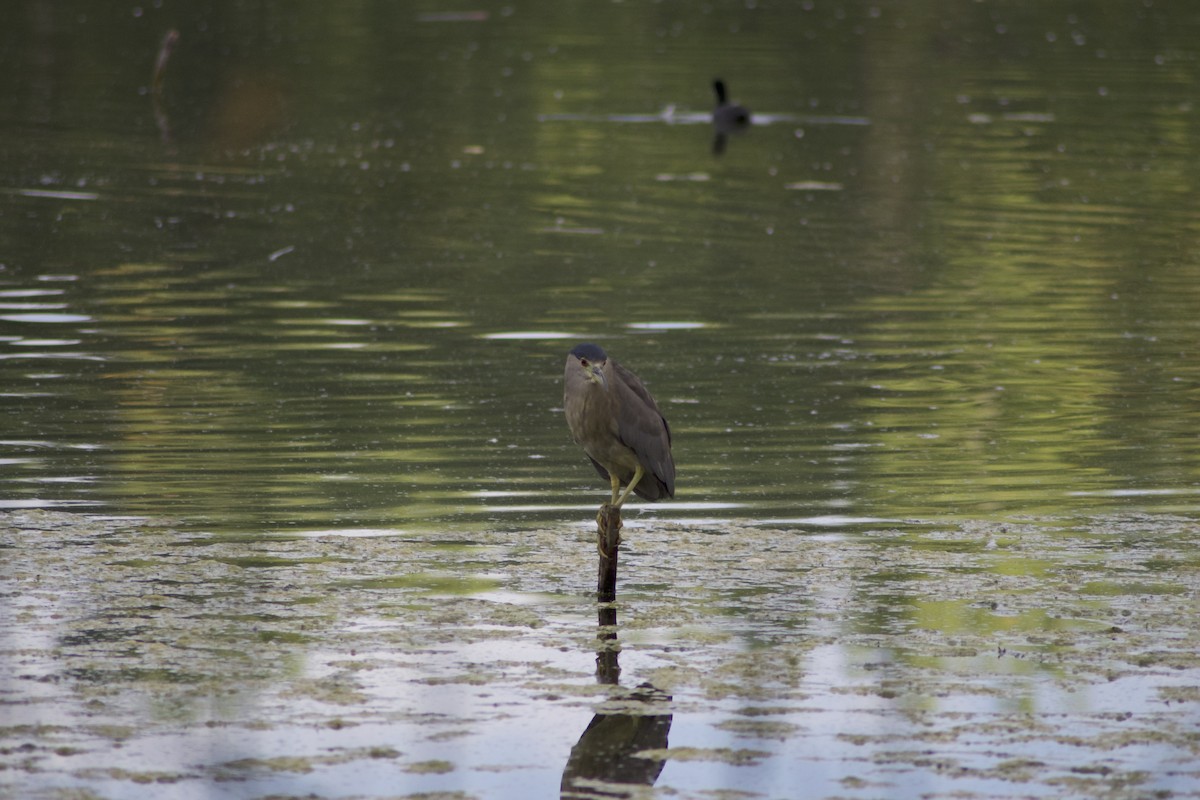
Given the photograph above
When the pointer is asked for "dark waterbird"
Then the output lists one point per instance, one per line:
(728, 117)
(618, 424)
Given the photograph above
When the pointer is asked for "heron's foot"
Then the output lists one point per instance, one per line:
(605, 516)
(608, 526)
(607, 553)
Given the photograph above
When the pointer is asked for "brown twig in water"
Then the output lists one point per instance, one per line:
(156, 84)
(160, 64)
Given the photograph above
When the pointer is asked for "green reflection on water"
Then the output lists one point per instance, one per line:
(934, 281)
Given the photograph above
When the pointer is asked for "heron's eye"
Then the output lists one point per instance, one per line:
(583, 362)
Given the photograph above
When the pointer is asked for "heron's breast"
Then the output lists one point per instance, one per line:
(594, 425)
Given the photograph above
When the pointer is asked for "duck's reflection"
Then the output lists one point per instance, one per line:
(605, 762)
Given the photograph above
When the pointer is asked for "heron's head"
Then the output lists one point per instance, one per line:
(592, 358)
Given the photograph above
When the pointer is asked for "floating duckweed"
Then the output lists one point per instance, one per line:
(433, 766)
(928, 653)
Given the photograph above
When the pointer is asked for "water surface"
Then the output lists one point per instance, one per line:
(282, 445)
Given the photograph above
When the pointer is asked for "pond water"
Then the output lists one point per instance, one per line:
(289, 505)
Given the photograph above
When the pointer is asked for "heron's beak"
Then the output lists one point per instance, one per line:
(596, 375)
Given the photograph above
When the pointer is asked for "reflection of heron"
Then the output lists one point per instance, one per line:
(727, 118)
(618, 424)
(606, 753)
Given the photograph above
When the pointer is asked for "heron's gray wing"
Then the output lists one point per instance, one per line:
(642, 428)
(634, 384)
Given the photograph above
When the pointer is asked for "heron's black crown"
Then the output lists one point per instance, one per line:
(589, 351)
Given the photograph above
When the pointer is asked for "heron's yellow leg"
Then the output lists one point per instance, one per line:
(637, 476)
(616, 487)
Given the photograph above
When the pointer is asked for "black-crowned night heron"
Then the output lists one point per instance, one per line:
(728, 117)
(618, 424)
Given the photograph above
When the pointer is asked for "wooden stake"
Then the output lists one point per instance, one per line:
(608, 536)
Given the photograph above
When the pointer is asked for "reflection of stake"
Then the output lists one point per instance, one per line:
(608, 649)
